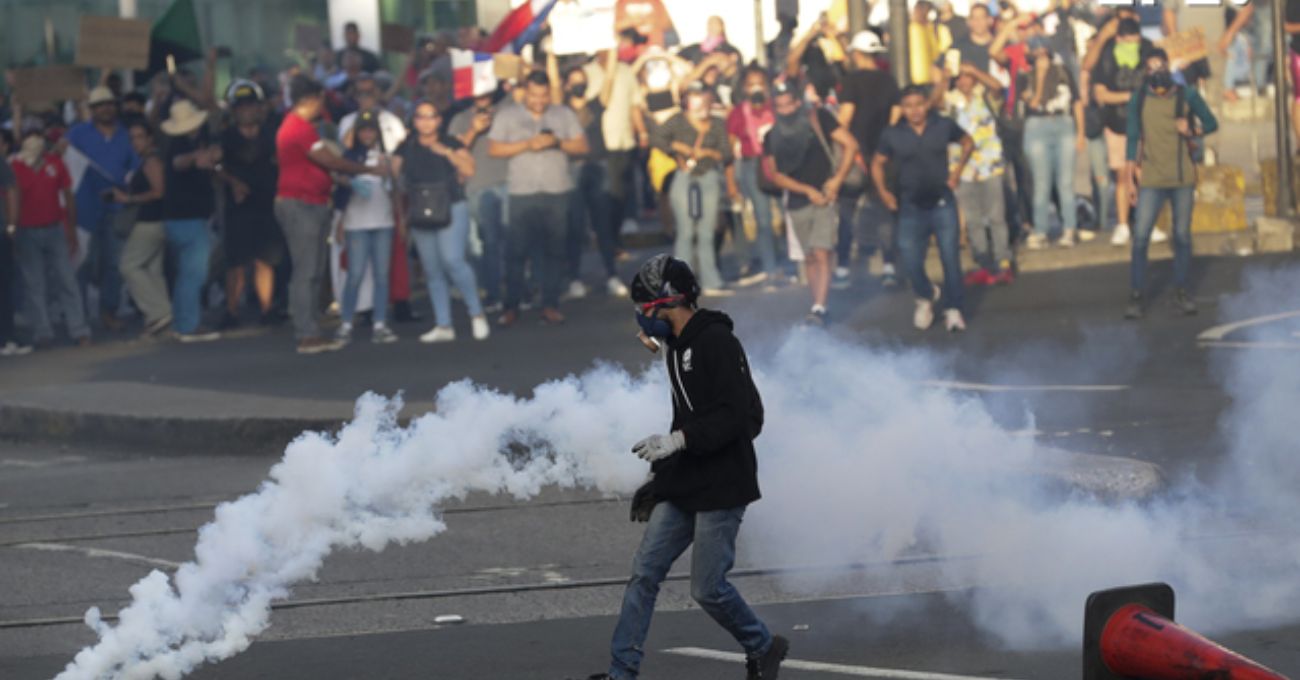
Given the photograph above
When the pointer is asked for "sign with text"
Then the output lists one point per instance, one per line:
(48, 84)
(110, 42)
(582, 26)
(1185, 47)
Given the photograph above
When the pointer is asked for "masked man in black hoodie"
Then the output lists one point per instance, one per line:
(705, 472)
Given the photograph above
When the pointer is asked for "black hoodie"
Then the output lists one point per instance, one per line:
(718, 409)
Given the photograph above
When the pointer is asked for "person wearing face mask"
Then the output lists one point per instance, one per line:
(747, 124)
(699, 143)
(704, 473)
(1163, 122)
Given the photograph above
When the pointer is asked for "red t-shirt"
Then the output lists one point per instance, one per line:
(750, 126)
(40, 190)
(301, 179)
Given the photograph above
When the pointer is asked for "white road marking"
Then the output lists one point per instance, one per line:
(32, 464)
(817, 667)
(100, 553)
(1221, 332)
(984, 387)
(1231, 344)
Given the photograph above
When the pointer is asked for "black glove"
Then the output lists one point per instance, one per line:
(643, 502)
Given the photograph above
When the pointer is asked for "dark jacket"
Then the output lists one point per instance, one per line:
(717, 407)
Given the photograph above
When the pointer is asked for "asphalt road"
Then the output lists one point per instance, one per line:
(537, 582)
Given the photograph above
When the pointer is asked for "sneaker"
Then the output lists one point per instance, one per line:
(953, 321)
(816, 317)
(13, 349)
(228, 322)
(382, 335)
(1087, 235)
(1158, 236)
(318, 345)
(1005, 277)
(979, 277)
(924, 316)
(751, 279)
(889, 277)
(1067, 239)
(508, 318)
(493, 307)
(768, 666)
(717, 292)
(482, 329)
(110, 321)
(577, 290)
(1036, 241)
(841, 279)
(616, 288)
(344, 333)
(1134, 308)
(157, 327)
(1121, 235)
(552, 316)
(1184, 302)
(199, 334)
(439, 334)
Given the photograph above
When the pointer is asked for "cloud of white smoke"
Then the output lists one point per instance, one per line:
(858, 462)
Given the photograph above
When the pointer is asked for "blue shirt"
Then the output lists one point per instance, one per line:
(111, 159)
(921, 161)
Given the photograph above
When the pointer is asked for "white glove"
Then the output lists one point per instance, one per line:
(659, 446)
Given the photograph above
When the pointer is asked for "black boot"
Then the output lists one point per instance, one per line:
(1184, 302)
(769, 665)
(1134, 308)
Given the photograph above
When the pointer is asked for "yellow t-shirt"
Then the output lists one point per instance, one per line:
(926, 43)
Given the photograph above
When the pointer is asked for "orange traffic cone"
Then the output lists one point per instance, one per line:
(1129, 634)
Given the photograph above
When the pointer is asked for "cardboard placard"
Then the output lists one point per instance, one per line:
(308, 38)
(582, 26)
(397, 38)
(48, 84)
(507, 67)
(110, 42)
(1185, 47)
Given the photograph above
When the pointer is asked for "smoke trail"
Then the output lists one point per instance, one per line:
(855, 447)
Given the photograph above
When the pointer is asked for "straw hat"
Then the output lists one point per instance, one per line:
(185, 118)
(101, 95)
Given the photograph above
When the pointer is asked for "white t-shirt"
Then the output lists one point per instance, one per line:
(371, 205)
(390, 126)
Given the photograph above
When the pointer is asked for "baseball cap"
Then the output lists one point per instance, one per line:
(244, 92)
(868, 42)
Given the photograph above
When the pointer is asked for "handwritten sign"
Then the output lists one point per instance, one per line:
(110, 42)
(48, 84)
(1185, 47)
(582, 26)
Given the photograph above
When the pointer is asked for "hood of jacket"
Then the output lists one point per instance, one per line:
(703, 319)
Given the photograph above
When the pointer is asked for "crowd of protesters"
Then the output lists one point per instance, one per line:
(332, 188)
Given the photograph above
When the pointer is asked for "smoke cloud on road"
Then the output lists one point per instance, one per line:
(859, 461)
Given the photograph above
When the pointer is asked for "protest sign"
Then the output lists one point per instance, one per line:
(48, 84)
(582, 26)
(110, 42)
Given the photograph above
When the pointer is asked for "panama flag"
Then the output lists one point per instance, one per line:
(520, 26)
(472, 74)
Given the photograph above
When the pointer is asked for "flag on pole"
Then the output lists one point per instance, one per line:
(520, 27)
(175, 33)
(472, 74)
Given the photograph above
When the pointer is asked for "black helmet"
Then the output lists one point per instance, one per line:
(665, 278)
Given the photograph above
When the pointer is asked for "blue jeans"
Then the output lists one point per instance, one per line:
(489, 207)
(747, 170)
(1150, 201)
(442, 256)
(668, 534)
(191, 246)
(373, 249)
(1103, 189)
(1049, 147)
(1236, 69)
(43, 263)
(589, 205)
(108, 251)
(695, 237)
(915, 227)
(538, 226)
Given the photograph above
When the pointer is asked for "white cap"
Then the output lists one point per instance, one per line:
(867, 41)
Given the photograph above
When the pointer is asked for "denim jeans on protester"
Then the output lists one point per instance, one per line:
(537, 229)
(589, 205)
(747, 170)
(191, 247)
(1150, 201)
(1049, 148)
(915, 227)
(488, 208)
(1103, 188)
(367, 249)
(107, 249)
(306, 228)
(443, 256)
(667, 535)
(43, 261)
(1236, 68)
(693, 242)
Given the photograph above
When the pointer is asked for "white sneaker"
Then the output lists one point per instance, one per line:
(13, 349)
(577, 290)
(482, 329)
(953, 321)
(1121, 235)
(1086, 235)
(616, 288)
(1158, 236)
(924, 316)
(1036, 241)
(1067, 239)
(438, 334)
(717, 292)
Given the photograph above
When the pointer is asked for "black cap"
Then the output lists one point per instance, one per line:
(664, 277)
(367, 119)
(244, 92)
